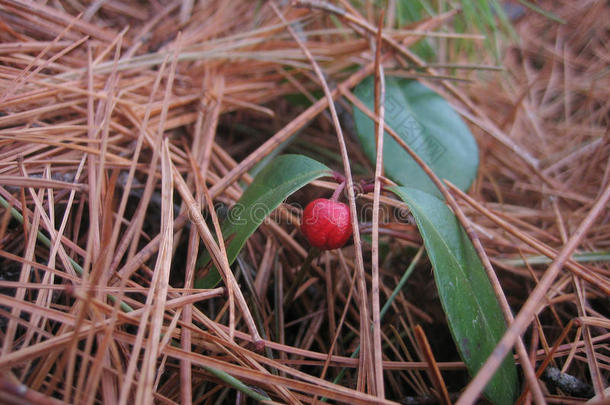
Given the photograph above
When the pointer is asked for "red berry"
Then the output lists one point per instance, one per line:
(326, 224)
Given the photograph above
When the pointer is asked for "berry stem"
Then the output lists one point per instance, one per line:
(337, 192)
(368, 187)
(339, 178)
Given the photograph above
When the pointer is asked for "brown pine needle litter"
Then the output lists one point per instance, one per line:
(128, 129)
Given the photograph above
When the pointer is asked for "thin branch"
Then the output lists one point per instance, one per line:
(380, 113)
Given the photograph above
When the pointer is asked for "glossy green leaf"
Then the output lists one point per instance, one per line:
(429, 125)
(472, 310)
(272, 185)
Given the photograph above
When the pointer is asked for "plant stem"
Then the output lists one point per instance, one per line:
(337, 192)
